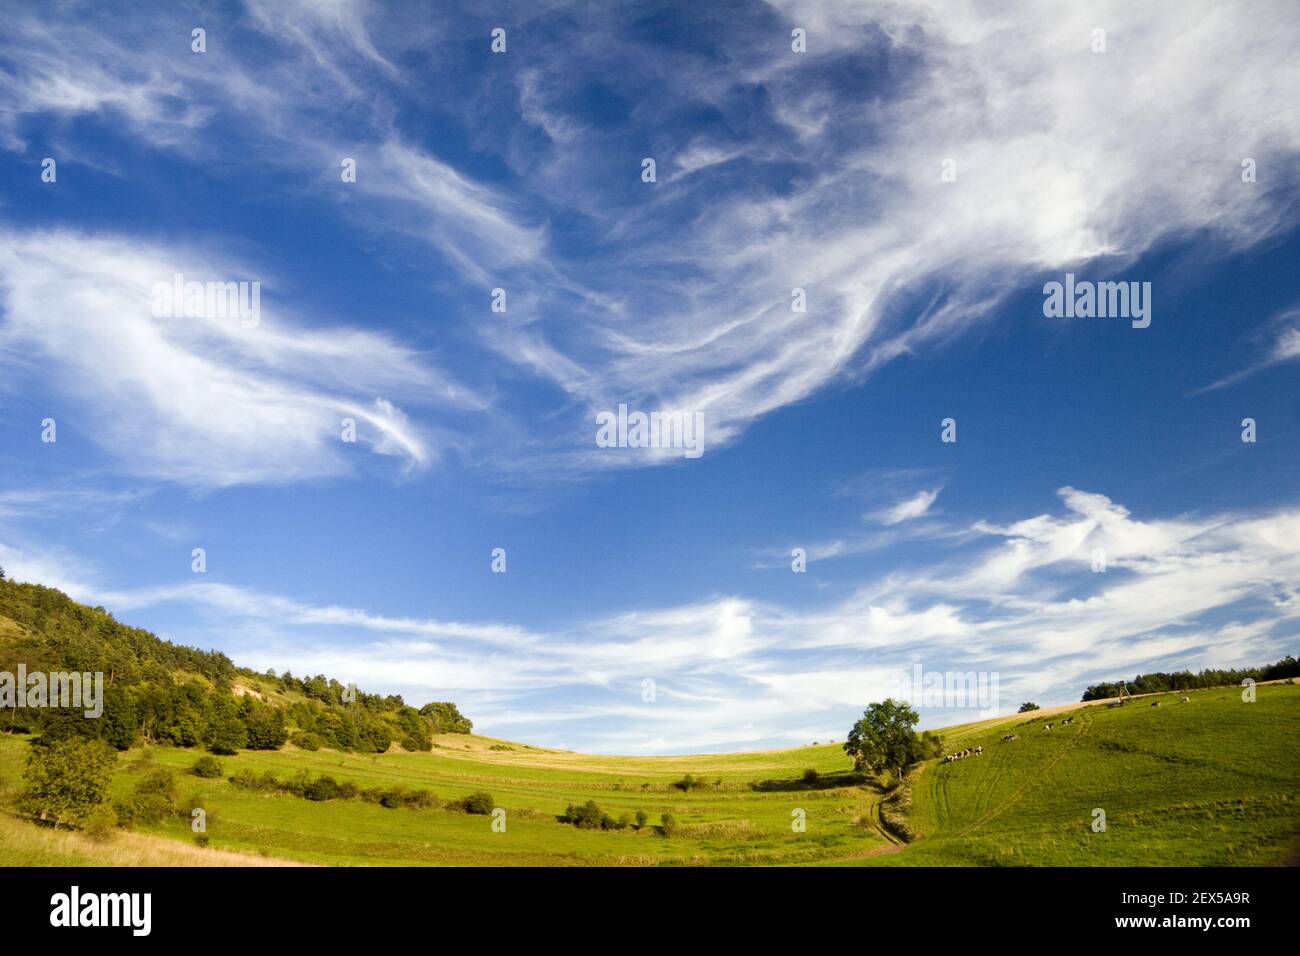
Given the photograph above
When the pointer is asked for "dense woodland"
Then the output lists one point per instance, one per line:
(1161, 682)
(165, 693)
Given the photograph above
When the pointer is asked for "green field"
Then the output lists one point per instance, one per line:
(1213, 781)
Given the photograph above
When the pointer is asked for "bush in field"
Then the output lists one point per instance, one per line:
(306, 740)
(641, 818)
(690, 782)
(421, 799)
(145, 808)
(668, 824)
(400, 796)
(158, 780)
(152, 800)
(480, 803)
(348, 790)
(208, 767)
(322, 788)
(252, 780)
(68, 779)
(624, 821)
(811, 777)
(1029, 705)
(586, 816)
(100, 823)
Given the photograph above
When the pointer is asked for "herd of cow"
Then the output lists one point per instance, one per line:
(968, 752)
(1068, 720)
(1007, 738)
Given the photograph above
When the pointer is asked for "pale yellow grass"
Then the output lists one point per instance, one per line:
(25, 843)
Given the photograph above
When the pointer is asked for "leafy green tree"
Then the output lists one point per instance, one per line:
(265, 725)
(446, 718)
(931, 745)
(120, 723)
(884, 738)
(1027, 707)
(641, 818)
(67, 779)
(226, 733)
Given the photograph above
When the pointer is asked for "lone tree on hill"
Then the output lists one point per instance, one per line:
(884, 739)
(1027, 707)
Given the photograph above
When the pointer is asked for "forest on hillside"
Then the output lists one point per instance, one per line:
(166, 693)
(1161, 682)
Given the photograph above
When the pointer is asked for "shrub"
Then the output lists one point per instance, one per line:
(348, 790)
(668, 824)
(480, 803)
(152, 800)
(641, 818)
(159, 780)
(322, 788)
(100, 823)
(810, 777)
(421, 799)
(586, 816)
(146, 808)
(1028, 706)
(624, 821)
(252, 780)
(690, 782)
(209, 767)
(305, 740)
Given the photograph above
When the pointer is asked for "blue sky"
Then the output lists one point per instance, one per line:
(775, 170)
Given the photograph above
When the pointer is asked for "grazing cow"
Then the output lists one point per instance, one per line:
(1068, 720)
(979, 750)
(1047, 726)
(1009, 737)
(1155, 703)
(1185, 700)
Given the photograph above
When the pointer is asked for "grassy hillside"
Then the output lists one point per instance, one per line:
(1213, 781)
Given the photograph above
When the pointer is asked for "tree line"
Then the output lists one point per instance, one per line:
(1161, 682)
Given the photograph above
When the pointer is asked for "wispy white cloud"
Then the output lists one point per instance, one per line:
(1113, 154)
(206, 402)
(909, 508)
(1283, 347)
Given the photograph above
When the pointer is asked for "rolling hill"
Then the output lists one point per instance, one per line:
(1212, 781)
